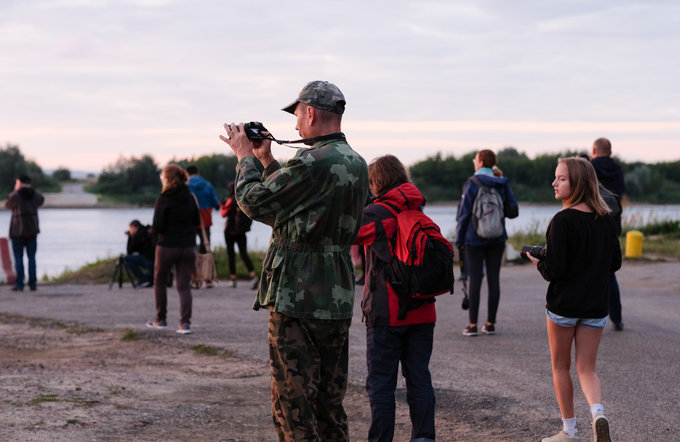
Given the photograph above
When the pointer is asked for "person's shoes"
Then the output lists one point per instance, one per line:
(470, 330)
(144, 284)
(618, 326)
(232, 283)
(561, 437)
(601, 428)
(160, 325)
(17, 289)
(184, 329)
(208, 284)
(254, 283)
(489, 329)
(195, 285)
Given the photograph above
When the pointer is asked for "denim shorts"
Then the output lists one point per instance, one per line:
(573, 322)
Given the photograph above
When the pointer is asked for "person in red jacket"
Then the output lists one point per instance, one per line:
(390, 340)
(238, 223)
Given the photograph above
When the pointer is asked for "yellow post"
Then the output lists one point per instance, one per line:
(634, 244)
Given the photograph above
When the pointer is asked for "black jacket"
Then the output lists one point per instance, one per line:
(24, 205)
(610, 175)
(141, 243)
(176, 217)
(582, 250)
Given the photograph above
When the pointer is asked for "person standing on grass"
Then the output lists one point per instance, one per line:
(235, 229)
(582, 249)
(207, 201)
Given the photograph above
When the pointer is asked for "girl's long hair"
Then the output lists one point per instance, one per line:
(584, 185)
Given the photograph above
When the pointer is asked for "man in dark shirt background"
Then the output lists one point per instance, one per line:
(24, 228)
(140, 253)
(611, 176)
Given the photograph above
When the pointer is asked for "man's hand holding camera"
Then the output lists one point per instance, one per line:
(243, 146)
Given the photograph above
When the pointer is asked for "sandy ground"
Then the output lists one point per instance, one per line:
(68, 373)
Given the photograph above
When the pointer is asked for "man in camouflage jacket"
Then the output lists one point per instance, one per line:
(314, 204)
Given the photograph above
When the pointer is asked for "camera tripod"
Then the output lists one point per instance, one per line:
(118, 274)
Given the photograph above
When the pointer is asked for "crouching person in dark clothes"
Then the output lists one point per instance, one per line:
(314, 204)
(140, 253)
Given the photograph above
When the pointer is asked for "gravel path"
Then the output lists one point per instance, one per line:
(489, 388)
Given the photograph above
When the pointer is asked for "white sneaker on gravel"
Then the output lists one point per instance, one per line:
(561, 437)
(184, 329)
(601, 428)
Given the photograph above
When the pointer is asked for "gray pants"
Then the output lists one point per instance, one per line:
(183, 258)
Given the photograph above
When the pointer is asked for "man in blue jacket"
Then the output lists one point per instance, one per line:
(207, 201)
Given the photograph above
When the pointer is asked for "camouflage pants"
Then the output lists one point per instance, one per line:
(309, 359)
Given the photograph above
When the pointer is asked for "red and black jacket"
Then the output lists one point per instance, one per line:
(380, 305)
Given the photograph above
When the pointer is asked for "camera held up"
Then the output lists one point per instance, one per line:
(537, 252)
(254, 131)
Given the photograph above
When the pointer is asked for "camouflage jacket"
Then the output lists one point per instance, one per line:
(314, 204)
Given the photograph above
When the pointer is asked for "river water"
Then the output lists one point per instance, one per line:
(70, 238)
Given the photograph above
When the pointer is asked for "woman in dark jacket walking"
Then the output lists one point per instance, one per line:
(174, 222)
(479, 251)
(390, 340)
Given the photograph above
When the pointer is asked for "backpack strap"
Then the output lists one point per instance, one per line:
(477, 181)
(394, 210)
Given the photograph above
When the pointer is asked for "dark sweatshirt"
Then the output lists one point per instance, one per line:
(175, 218)
(582, 250)
(24, 205)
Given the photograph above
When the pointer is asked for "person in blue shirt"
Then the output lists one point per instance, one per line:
(479, 251)
(207, 201)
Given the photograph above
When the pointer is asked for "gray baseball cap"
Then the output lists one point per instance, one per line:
(321, 95)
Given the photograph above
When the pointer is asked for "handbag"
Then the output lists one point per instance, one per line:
(204, 268)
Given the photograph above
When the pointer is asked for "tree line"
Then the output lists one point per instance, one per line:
(135, 180)
(13, 164)
(441, 178)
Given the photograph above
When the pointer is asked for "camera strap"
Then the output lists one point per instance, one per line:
(333, 136)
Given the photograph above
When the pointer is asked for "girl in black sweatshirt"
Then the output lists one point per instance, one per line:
(582, 249)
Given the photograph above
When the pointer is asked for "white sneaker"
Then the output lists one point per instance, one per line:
(601, 428)
(184, 329)
(561, 437)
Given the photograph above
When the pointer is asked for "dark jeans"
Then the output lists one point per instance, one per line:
(476, 257)
(242, 242)
(614, 300)
(386, 347)
(140, 266)
(309, 360)
(183, 258)
(31, 246)
(201, 243)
